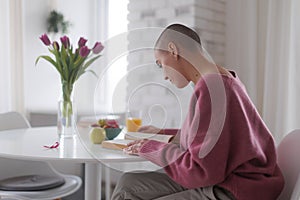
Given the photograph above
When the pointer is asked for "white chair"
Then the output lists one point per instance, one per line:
(288, 153)
(13, 120)
(14, 168)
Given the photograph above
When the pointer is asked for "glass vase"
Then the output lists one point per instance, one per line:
(66, 119)
(66, 114)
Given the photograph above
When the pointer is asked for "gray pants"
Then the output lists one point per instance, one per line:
(158, 186)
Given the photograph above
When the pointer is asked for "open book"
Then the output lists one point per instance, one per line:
(130, 136)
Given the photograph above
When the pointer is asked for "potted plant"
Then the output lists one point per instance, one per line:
(56, 23)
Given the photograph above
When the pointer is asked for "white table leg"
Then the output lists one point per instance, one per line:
(99, 172)
(91, 187)
(107, 182)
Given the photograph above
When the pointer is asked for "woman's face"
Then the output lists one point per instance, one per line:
(171, 68)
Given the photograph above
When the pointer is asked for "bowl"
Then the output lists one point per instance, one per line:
(111, 133)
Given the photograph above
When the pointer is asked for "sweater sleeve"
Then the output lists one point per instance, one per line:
(169, 131)
(184, 163)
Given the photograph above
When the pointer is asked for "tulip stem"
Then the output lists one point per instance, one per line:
(67, 107)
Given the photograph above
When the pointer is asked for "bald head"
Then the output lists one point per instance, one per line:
(180, 35)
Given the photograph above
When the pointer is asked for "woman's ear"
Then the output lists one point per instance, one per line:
(172, 48)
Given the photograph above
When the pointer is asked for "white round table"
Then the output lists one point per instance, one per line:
(29, 144)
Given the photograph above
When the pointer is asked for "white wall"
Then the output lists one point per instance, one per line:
(42, 82)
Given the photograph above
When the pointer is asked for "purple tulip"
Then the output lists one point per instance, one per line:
(55, 45)
(98, 47)
(45, 39)
(81, 42)
(84, 51)
(65, 41)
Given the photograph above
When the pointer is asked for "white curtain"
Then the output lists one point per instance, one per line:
(11, 56)
(241, 29)
(281, 95)
(263, 47)
(4, 71)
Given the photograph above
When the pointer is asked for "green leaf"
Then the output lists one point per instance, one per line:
(53, 51)
(72, 56)
(76, 55)
(79, 75)
(65, 69)
(87, 64)
(74, 75)
(49, 59)
(79, 61)
(71, 62)
(78, 67)
(59, 65)
(94, 73)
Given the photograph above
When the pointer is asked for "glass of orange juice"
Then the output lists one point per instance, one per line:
(133, 120)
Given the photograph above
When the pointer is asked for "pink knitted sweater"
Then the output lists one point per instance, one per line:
(223, 141)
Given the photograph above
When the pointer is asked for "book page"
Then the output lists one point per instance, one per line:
(149, 136)
(120, 144)
(117, 144)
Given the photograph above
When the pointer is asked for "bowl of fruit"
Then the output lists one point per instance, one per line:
(111, 127)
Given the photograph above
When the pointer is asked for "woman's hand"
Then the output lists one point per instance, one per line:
(133, 148)
(149, 129)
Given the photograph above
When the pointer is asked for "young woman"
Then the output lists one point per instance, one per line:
(223, 149)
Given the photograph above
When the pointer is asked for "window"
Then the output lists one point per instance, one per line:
(111, 88)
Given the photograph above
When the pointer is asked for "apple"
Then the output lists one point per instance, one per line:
(108, 123)
(101, 122)
(97, 135)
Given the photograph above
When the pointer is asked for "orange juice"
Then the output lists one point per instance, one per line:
(133, 124)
